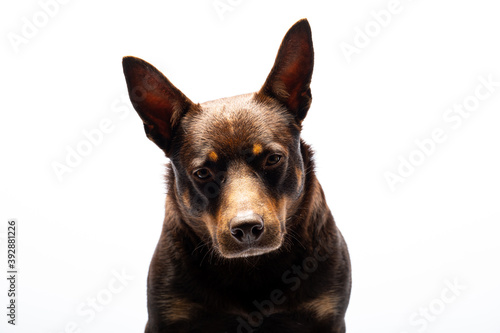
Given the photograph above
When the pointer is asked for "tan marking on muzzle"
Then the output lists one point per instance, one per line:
(185, 199)
(210, 223)
(298, 173)
(245, 194)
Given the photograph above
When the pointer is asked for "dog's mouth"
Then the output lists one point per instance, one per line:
(250, 251)
(248, 235)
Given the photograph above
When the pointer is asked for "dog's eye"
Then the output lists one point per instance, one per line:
(273, 159)
(203, 174)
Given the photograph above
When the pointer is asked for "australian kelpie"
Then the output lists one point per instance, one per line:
(248, 241)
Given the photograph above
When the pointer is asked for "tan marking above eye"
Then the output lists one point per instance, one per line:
(213, 156)
(257, 149)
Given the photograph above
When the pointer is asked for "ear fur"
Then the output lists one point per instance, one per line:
(289, 79)
(157, 101)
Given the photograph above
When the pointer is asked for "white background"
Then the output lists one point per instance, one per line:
(438, 227)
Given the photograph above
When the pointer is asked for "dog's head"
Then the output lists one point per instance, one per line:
(237, 162)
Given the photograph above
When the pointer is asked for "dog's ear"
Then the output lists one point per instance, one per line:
(291, 74)
(157, 101)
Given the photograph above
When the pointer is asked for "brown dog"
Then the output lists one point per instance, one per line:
(248, 241)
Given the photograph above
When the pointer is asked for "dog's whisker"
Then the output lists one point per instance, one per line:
(199, 246)
(293, 235)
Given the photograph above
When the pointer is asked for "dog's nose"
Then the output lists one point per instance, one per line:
(246, 228)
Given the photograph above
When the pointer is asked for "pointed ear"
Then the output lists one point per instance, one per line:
(291, 74)
(157, 101)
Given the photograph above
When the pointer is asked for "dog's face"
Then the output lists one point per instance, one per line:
(238, 169)
(237, 163)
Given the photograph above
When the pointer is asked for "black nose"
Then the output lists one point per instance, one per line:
(247, 228)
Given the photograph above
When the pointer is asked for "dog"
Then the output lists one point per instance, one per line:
(248, 242)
